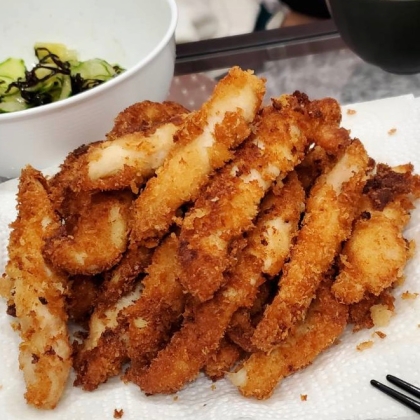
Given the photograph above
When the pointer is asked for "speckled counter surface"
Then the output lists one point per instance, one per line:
(339, 74)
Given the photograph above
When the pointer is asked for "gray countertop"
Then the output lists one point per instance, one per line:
(339, 74)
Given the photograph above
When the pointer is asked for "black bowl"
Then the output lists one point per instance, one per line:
(382, 32)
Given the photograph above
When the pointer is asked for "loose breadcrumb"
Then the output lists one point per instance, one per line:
(381, 315)
(175, 398)
(118, 413)
(380, 334)
(408, 295)
(364, 345)
(213, 387)
(392, 131)
(351, 111)
(303, 397)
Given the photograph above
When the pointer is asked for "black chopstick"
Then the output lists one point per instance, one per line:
(402, 398)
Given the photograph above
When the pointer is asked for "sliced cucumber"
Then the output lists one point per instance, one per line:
(10, 71)
(12, 103)
(42, 49)
(95, 69)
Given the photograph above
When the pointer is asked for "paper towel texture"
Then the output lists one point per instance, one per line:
(336, 384)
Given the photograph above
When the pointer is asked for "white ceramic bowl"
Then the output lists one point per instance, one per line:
(136, 34)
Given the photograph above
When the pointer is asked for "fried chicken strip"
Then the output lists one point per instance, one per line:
(187, 352)
(142, 116)
(375, 255)
(158, 310)
(222, 360)
(331, 210)
(94, 237)
(230, 203)
(142, 137)
(203, 144)
(102, 354)
(262, 372)
(38, 291)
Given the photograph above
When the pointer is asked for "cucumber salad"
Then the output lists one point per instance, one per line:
(57, 75)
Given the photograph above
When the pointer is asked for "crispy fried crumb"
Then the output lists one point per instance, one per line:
(392, 131)
(15, 326)
(118, 413)
(408, 295)
(380, 334)
(381, 315)
(213, 387)
(351, 112)
(175, 398)
(303, 397)
(364, 345)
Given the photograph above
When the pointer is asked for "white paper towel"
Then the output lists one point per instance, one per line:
(336, 384)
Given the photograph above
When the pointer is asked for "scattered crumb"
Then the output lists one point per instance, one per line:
(365, 345)
(213, 387)
(380, 334)
(351, 111)
(118, 413)
(175, 398)
(381, 315)
(15, 326)
(392, 131)
(303, 397)
(408, 295)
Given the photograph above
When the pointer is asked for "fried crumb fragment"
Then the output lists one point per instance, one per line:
(409, 295)
(381, 315)
(380, 334)
(364, 345)
(303, 397)
(392, 131)
(118, 413)
(175, 398)
(351, 111)
(213, 387)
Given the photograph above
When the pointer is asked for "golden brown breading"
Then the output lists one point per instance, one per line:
(222, 360)
(227, 208)
(119, 280)
(142, 116)
(203, 145)
(375, 255)
(187, 352)
(360, 313)
(103, 353)
(331, 209)
(138, 144)
(38, 295)
(94, 237)
(153, 317)
(262, 372)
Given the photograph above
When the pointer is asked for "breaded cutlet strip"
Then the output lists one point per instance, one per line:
(103, 353)
(143, 135)
(375, 255)
(142, 116)
(187, 352)
(242, 325)
(222, 360)
(229, 205)
(158, 310)
(94, 238)
(360, 313)
(330, 211)
(126, 161)
(119, 280)
(259, 375)
(324, 129)
(38, 291)
(203, 145)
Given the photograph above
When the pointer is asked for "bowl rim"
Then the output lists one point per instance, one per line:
(98, 90)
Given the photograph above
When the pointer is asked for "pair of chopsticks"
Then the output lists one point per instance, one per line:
(402, 398)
